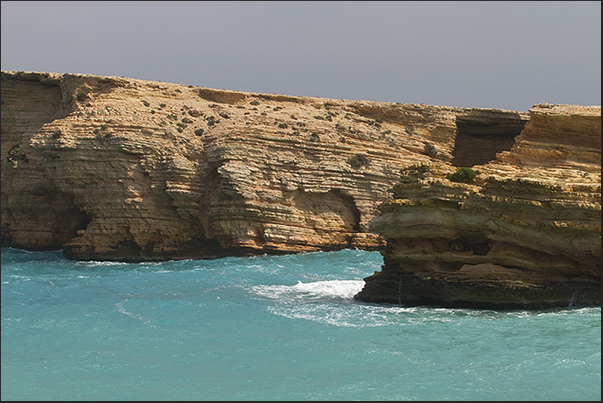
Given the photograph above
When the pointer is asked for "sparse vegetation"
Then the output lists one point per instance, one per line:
(16, 154)
(415, 171)
(81, 96)
(376, 123)
(463, 174)
(359, 160)
(101, 135)
(211, 120)
(430, 149)
(254, 102)
(314, 137)
(199, 132)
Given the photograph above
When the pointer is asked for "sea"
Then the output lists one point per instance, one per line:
(272, 328)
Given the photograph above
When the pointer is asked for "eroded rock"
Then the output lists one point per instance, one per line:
(111, 168)
(525, 233)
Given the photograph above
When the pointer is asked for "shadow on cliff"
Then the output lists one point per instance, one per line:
(481, 136)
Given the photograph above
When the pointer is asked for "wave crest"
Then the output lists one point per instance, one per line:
(328, 290)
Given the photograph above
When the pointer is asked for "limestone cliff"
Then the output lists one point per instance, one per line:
(111, 168)
(522, 231)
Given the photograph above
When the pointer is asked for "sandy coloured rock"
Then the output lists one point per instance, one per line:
(121, 169)
(524, 233)
(110, 168)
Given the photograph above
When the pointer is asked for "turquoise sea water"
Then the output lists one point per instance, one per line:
(271, 328)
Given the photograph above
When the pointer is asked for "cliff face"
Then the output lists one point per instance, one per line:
(524, 233)
(112, 168)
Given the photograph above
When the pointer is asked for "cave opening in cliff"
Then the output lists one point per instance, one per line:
(480, 136)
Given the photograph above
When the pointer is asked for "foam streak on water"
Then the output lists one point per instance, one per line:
(271, 328)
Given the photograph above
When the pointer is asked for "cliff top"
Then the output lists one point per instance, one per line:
(55, 78)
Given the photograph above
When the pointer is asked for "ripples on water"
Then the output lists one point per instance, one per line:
(271, 328)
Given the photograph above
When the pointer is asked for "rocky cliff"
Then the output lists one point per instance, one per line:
(110, 168)
(521, 231)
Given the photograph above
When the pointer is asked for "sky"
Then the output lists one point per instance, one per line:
(478, 54)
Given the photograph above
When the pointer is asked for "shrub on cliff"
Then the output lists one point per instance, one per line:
(359, 160)
(429, 149)
(16, 154)
(463, 174)
(414, 171)
(81, 96)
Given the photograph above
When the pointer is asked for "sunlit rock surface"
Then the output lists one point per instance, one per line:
(111, 168)
(525, 233)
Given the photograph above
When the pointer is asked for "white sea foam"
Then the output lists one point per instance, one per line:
(332, 302)
(312, 291)
(95, 263)
(355, 315)
(322, 313)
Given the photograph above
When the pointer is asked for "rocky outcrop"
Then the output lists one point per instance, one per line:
(522, 231)
(111, 168)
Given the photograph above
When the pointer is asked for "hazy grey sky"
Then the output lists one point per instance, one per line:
(508, 55)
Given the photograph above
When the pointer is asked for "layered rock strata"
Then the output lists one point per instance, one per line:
(111, 168)
(525, 232)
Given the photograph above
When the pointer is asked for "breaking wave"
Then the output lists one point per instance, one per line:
(331, 290)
